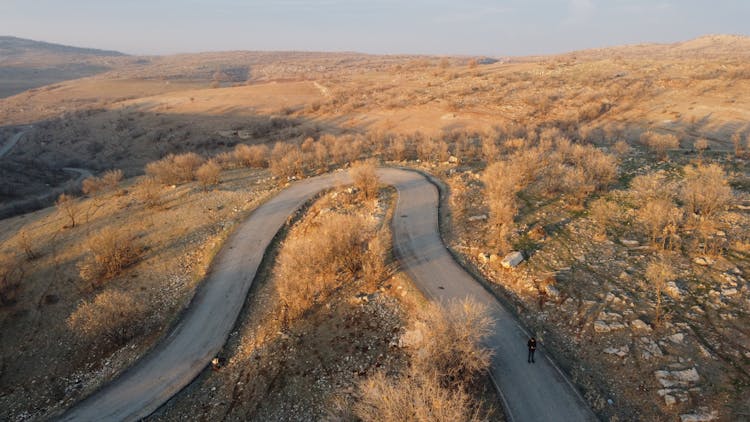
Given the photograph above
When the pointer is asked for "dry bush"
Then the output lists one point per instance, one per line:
(286, 161)
(226, 160)
(605, 214)
(186, 165)
(661, 219)
(660, 143)
(174, 169)
(110, 251)
(650, 186)
(149, 191)
(418, 398)
(399, 149)
(111, 179)
(310, 267)
(659, 272)
(208, 174)
(107, 182)
(452, 347)
(600, 168)
(701, 145)
(112, 315)
(91, 185)
(320, 156)
(490, 150)
(255, 156)
(502, 183)
(11, 274)
(621, 148)
(375, 263)
(308, 145)
(68, 205)
(705, 190)
(577, 185)
(365, 179)
(27, 246)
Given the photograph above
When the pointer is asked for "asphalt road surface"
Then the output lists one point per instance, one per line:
(537, 392)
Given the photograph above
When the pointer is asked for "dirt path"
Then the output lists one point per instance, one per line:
(531, 392)
(11, 143)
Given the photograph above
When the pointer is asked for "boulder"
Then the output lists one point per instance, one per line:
(629, 242)
(478, 217)
(552, 291)
(619, 351)
(512, 259)
(704, 415)
(639, 325)
(703, 261)
(672, 290)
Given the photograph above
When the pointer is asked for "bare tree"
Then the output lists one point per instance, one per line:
(68, 205)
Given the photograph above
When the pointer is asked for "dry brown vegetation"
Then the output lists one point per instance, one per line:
(113, 316)
(543, 155)
(110, 251)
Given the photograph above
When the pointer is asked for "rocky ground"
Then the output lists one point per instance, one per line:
(586, 297)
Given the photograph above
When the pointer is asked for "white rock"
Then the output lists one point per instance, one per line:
(704, 416)
(478, 217)
(512, 259)
(672, 290)
(703, 260)
(637, 324)
(552, 291)
(669, 400)
(687, 376)
(619, 351)
(678, 338)
(629, 242)
(729, 292)
(601, 327)
(452, 159)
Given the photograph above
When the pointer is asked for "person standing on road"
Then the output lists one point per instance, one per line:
(532, 349)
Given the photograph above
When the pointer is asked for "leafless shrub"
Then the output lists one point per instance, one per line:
(661, 219)
(91, 185)
(110, 251)
(365, 179)
(660, 143)
(149, 191)
(701, 145)
(255, 156)
(646, 187)
(452, 347)
(286, 161)
(11, 274)
(112, 315)
(501, 182)
(374, 264)
(659, 272)
(309, 267)
(605, 215)
(621, 148)
(399, 149)
(208, 174)
(111, 179)
(307, 145)
(174, 169)
(27, 246)
(226, 160)
(320, 156)
(705, 189)
(490, 150)
(68, 205)
(418, 398)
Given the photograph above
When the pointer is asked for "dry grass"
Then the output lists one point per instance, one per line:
(11, 275)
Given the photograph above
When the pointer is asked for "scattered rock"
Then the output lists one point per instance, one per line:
(552, 291)
(629, 242)
(678, 338)
(453, 159)
(512, 259)
(684, 378)
(703, 260)
(650, 349)
(603, 327)
(619, 351)
(703, 415)
(729, 292)
(478, 217)
(672, 290)
(639, 325)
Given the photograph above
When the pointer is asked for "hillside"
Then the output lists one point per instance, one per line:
(27, 64)
(620, 177)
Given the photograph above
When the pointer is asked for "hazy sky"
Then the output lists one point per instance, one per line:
(474, 27)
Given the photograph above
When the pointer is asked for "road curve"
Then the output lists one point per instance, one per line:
(11, 143)
(530, 392)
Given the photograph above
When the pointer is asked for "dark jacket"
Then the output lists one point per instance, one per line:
(532, 344)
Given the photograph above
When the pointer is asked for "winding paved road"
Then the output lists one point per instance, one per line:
(530, 392)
